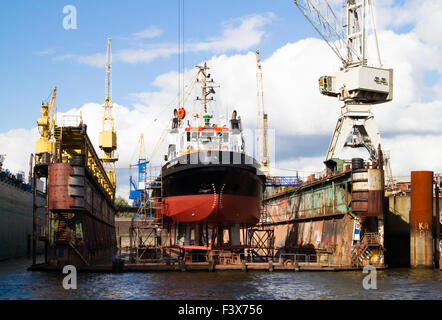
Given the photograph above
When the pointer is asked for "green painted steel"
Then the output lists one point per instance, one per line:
(312, 220)
(314, 200)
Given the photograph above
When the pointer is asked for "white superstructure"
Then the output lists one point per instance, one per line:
(198, 132)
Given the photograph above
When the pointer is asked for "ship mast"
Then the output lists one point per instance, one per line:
(207, 88)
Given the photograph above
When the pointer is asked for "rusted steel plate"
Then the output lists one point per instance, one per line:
(375, 180)
(421, 198)
(421, 219)
(375, 203)
(58, 190)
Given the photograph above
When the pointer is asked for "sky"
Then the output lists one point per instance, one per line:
(38, 53)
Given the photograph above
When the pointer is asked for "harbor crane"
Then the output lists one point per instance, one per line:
(357, 84)
(137, 191)
(262, 119)
(45, 146)
(108, 136)
(271, 181)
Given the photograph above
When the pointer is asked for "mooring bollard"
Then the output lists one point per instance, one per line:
(244, 266)
(271, 266)
(117, 265)
(211, 265)
(183, 266)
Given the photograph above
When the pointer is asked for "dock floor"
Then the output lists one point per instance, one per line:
(203, 266)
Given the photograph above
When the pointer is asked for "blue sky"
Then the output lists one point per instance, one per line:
(38, 54)
(34, 40)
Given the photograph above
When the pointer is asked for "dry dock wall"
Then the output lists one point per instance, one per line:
(315, 219)
(332, 237)
(397, 230)
(122, 226)
(16, 221)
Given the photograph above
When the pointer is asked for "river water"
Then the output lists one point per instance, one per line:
(17, 283)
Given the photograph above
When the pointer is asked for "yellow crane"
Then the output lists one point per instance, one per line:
(45, 146)
(262, 119)
(108, 136)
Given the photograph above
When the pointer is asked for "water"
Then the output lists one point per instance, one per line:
(17, 283)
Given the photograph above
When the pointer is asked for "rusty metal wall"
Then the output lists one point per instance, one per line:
(368, 192)
(375, 193)
(421, 219)
(314, 219)
(58, 186)
(319, 218)
(333, 236)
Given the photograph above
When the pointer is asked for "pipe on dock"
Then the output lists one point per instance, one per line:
(438, 243)
(188, 235)
(234, 235)
(421, 219)
(198, 234)
(220, 235)
(34, 218)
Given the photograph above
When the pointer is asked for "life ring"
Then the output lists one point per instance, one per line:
(181, 113)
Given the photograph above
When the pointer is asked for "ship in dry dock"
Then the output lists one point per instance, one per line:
(208, 178)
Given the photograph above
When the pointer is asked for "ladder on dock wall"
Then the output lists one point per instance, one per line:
(65, 234)
(361, 253)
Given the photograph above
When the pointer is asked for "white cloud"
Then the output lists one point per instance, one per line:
(17, 145)
(145, 55)
(148, 33)
(423, 17)
(238, 34)
(96, 60)
(49, 51)
(290, 87)
(236, 37)
(414, 153)
(302, 166)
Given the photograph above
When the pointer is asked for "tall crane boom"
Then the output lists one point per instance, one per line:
(324, 20)
(347, 41)
(262, 119)
(108, 136)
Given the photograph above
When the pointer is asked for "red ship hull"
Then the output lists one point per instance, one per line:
(225, 189)
(213, 208)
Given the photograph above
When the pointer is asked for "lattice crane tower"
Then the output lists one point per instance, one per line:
(262, 119)
(108, 136)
